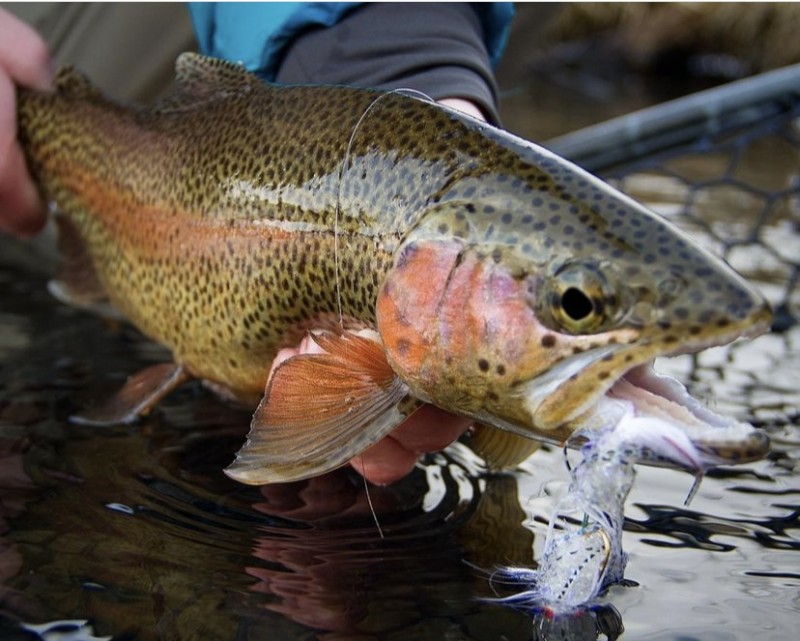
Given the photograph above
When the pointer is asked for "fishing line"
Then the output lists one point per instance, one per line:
(412, 93)
(369, 500)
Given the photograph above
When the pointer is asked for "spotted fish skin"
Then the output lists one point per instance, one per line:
(209, 220)
(505, 283)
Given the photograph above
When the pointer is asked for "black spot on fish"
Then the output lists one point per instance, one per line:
(483, 365)
(402, 347)
(705, 316)
(548, 341)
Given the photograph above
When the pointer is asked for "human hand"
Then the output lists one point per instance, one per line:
(24, 60)
(465, 106)
(428, 429)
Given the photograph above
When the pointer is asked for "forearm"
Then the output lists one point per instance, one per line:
(435, 48)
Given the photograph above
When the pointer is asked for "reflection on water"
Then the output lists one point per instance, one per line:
(135, 533)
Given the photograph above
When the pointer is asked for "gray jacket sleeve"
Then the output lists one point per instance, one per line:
(435, 48)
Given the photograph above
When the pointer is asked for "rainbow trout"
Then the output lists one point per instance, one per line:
(432, 257)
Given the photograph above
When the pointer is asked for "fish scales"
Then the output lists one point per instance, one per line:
(235, 205)
(501, 282)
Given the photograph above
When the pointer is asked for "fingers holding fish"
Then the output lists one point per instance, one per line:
(23, 54)
(24, 59)
(428, 429)
(307, 346)
(385, 462)
(21, 209)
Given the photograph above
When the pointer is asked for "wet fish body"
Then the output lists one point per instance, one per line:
(433, 256)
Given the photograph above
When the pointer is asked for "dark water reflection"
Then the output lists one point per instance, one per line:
(137, 530)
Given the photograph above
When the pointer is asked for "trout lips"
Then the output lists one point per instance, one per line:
(666, 424)
(670, 427)
(659, 418)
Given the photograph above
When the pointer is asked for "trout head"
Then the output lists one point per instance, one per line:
(537, 302)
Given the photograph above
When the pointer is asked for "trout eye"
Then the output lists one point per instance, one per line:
(576, 304)
(579, 299)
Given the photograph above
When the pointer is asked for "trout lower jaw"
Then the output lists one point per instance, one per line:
(664, 425)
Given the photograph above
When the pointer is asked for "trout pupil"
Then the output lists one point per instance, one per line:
(576, 304)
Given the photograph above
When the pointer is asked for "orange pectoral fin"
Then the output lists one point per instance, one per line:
(319, 411)
(140, 394)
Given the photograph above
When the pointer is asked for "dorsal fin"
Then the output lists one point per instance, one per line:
(199, 76)
(200, 79)
(71, 82)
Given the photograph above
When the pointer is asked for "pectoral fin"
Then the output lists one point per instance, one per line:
(319, 411)
(137, 397)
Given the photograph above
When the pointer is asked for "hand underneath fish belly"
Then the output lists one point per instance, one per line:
(429, 429)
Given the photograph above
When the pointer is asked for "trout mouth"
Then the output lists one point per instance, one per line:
(667, 426)
(613, 386)
(674, 428)
(664, 424)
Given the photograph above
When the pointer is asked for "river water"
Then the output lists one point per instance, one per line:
(135, 533)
